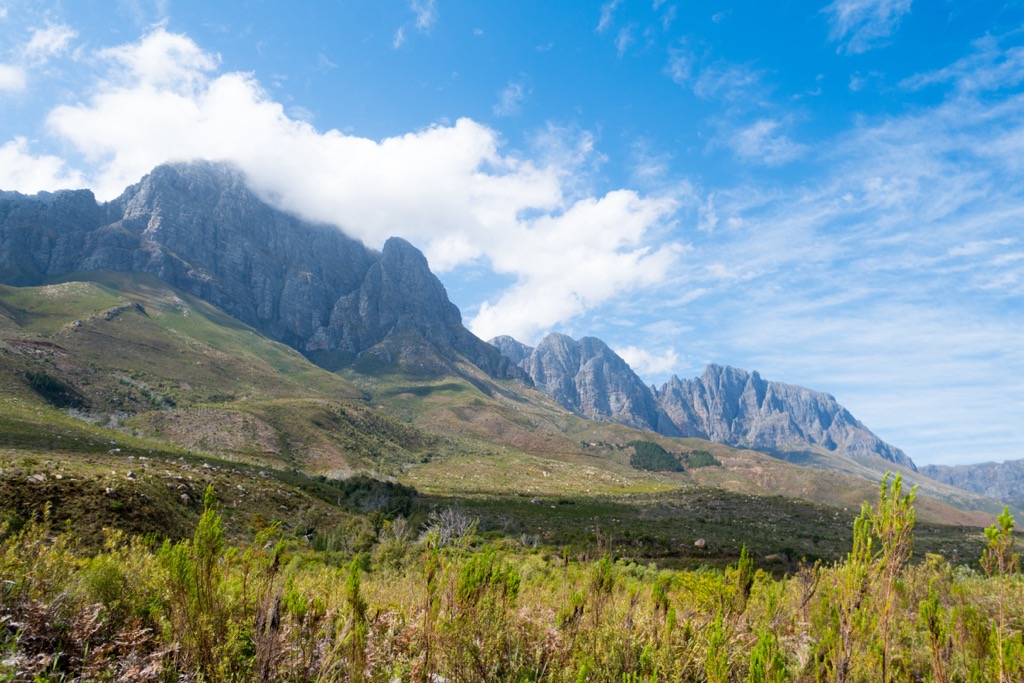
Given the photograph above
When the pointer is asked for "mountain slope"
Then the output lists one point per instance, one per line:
(199, 228)
(126, 350)
(125, 358)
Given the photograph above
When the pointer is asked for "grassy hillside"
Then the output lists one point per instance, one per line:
(118, 373)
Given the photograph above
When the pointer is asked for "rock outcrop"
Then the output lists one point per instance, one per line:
(740, 408)
(198, 227)
(587, 377)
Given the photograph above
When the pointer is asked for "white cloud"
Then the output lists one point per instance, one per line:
(990, 67)
(724, 81)
(450, 189)
(47, 43)
(399, 39)
(607, 14)
(12, 78)
(861, 25)
(645, 363)
(22, 171)
(426, 14)
(763, 142)
(162, 60)
(569, 263)
(623, 40)
(509, 99)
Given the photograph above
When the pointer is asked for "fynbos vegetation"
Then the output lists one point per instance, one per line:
(648, 455)
(465, 609)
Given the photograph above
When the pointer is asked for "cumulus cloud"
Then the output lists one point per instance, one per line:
(22, 171)
(450, 189)
(646, 363)
(861, 25)
(569, 263)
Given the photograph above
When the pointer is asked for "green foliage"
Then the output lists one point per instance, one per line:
(203, 609)
(648, 455)
(57, 393)
(700, 458)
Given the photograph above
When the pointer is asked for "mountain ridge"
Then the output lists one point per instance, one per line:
(199, 227)
(725, 404)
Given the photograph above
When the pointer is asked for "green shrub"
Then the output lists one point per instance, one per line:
(649, 456)
(701, 458)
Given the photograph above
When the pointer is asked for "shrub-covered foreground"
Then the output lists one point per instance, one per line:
(449, 607)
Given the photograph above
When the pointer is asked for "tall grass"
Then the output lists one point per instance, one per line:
(475, 610)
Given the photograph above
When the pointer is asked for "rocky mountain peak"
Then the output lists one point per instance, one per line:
(200, 228)
(725, 404)
(587, 377)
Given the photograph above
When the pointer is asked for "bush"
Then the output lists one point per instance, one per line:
(701, 458)
(55, 392)
(649, 456)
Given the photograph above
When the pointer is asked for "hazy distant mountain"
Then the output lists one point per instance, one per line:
(198, 227)
(725, 404)
(1003, 481)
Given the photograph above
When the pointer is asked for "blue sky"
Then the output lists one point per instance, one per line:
(830, 193)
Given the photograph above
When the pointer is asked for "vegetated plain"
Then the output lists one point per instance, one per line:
(488, 511)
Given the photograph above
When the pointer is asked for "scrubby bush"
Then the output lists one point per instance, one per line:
(476, 610)
(648, 455)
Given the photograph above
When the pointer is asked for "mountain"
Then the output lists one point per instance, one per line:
(199, 228)
(590, 379)
(724, 404)
(1003, 481)
(740, 408)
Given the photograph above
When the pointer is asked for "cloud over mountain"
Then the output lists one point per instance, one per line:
(451, 189)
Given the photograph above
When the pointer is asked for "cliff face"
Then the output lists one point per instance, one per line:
(738, 408)
(198, 227)
(724, 404)
(587, 377)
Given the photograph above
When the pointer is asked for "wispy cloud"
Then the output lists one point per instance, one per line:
(989, 67)
(862, 25)
(710, 79)
(893, 273)
(47, 43)
(426, 14)
(623, 40)
(763, 142)
(607, 15)
(399, 38)
(509, 99)
(424, 19)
